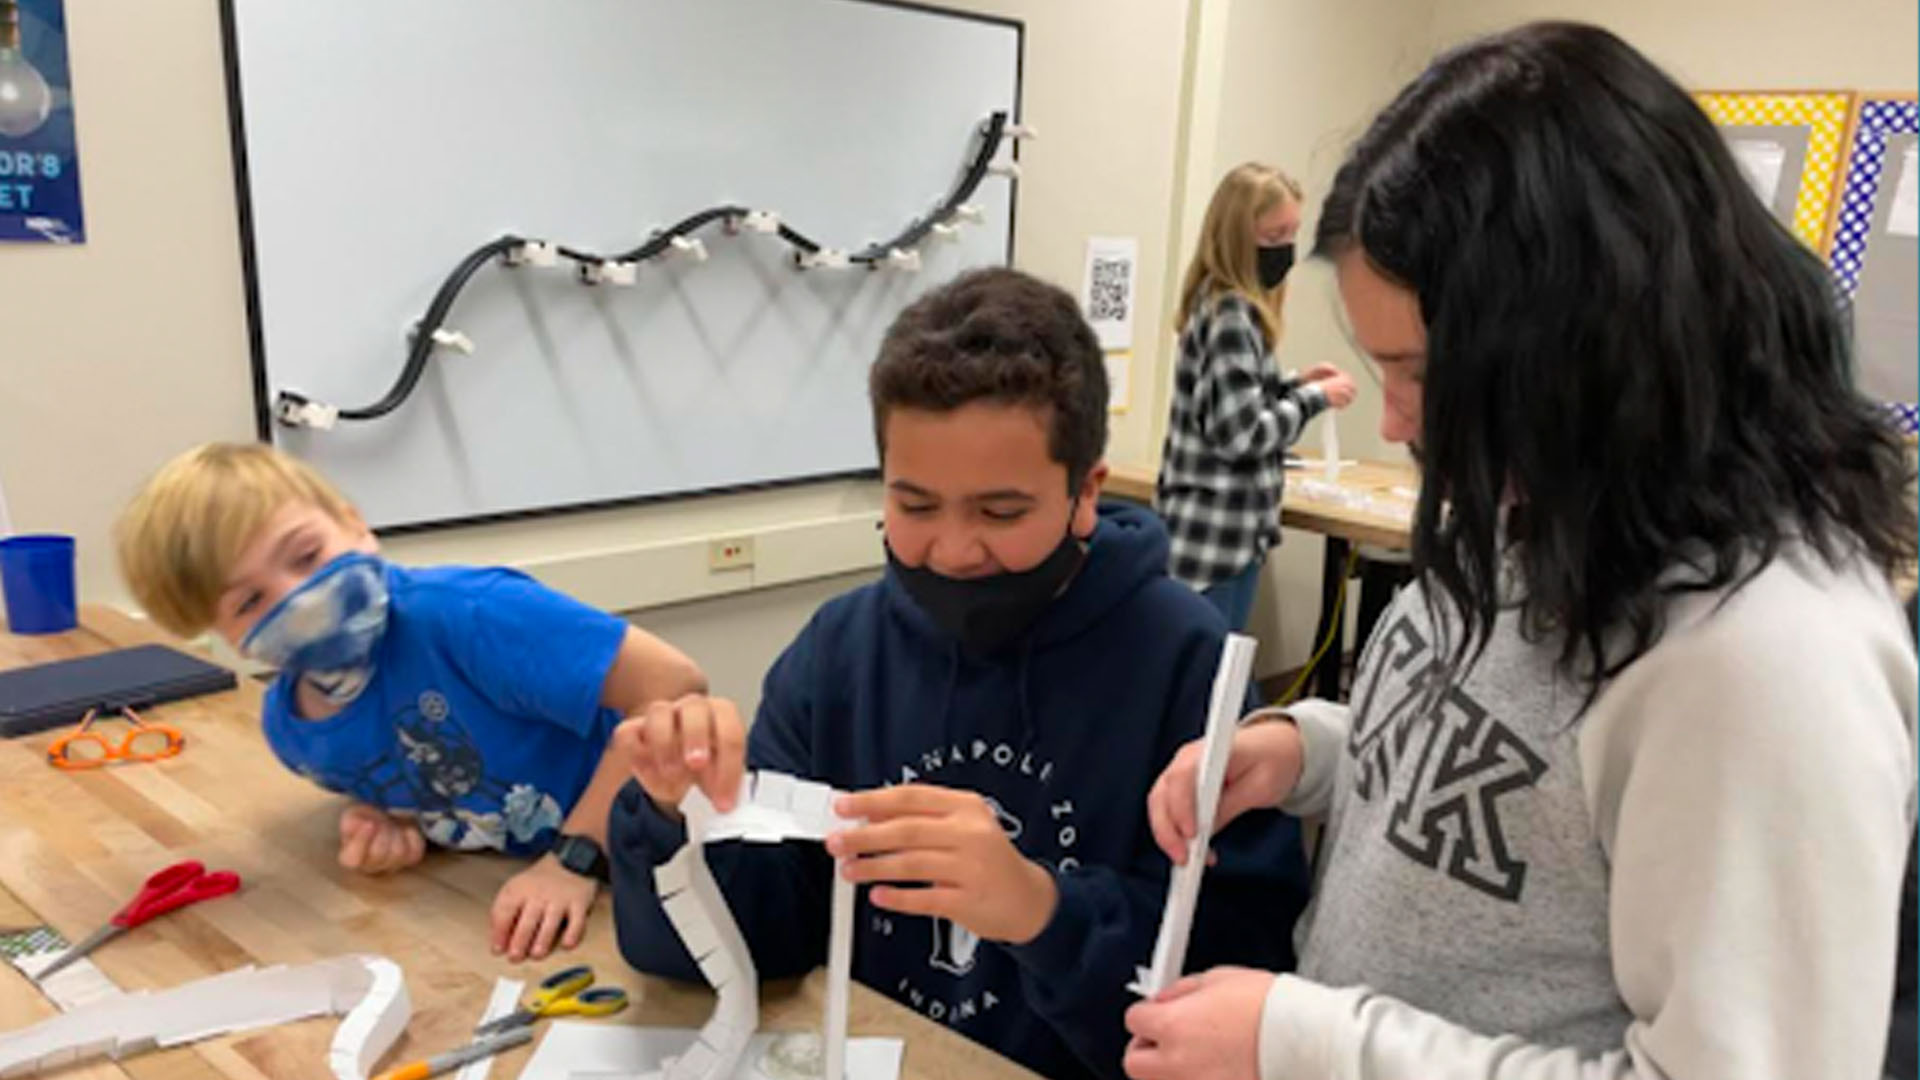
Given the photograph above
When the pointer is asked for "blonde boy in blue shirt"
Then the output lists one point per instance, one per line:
(469, 708)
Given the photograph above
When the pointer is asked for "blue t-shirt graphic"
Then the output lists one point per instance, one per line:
(483, 716)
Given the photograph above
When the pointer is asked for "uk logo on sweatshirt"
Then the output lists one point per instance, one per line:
(1447, 764)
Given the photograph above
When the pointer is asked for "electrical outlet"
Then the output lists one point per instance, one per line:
(731, 553)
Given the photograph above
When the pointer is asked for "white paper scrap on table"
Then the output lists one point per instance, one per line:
(578, 1050)
(1183, 890)
(505, 999)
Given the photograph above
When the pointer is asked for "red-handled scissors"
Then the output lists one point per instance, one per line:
(171, 889)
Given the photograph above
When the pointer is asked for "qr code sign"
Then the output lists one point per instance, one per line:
(1108, 295)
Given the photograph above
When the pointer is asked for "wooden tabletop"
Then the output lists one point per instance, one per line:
(75, 846)
(1353, 514)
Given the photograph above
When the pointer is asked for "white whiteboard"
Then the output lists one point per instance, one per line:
(379, 141)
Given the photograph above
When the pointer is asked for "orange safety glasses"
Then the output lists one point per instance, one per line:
(84, 749)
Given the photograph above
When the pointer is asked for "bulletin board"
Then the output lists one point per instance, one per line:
(1876, 252)
(1791, 145)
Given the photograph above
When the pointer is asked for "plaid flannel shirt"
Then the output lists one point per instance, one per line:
(1221, 471)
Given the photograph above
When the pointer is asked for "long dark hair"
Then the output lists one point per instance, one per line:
(1619, 335)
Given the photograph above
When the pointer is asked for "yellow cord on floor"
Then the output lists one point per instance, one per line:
(1335, 626)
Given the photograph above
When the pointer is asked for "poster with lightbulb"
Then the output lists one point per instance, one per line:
(39, 156)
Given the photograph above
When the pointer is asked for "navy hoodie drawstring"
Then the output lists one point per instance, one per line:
(947, 695)
(1023, 693)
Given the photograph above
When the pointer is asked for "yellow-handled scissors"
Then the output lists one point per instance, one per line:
(564, 993)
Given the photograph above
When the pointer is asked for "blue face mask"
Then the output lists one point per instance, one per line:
(325, 631)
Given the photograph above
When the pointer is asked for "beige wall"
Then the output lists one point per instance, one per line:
(1293, 82)
(117, 354)
(1732, 44)
(1102, 83)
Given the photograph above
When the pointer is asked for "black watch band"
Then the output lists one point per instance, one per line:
(582, 855)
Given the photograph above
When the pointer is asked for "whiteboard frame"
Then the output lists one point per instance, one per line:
(263, 395)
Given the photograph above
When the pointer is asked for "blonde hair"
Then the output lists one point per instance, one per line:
(179, 539)
(1225, 259)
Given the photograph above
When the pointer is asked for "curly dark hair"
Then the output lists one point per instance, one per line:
(1622, 343)
(1004, 336)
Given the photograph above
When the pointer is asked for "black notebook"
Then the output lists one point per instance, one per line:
(48, 695)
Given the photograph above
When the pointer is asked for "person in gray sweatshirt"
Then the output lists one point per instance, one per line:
(1627, 781)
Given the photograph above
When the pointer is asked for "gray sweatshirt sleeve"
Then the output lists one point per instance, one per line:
(1751, 782)
(1323, 735)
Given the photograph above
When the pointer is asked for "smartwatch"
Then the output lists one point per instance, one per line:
(581, 855)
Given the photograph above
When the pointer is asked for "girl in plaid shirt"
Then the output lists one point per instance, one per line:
(1234, 413)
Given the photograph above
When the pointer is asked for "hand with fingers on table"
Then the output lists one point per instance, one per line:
(373, 841)
(540, 907)
(676, 745)
(1204, 1027)
(949, 848)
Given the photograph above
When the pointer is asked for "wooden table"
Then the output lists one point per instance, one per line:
(74, 846)
(1302, 509)
(1344, 524)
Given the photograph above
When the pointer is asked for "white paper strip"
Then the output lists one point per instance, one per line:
(369, 989)
(839, 979)
(375, 1023)
(772, 808)
(1330, 449)
(1183, 891)
(505, 999)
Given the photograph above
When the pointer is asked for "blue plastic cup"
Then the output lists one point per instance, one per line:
(36, 573)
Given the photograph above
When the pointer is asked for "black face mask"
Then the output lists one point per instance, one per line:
(988, 613)
(1272, 265)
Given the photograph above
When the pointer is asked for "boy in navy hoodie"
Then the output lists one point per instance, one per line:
(1000, 701)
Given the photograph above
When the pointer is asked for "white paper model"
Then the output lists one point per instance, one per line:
(772, 807)
(369, 989)
(1183, 891)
